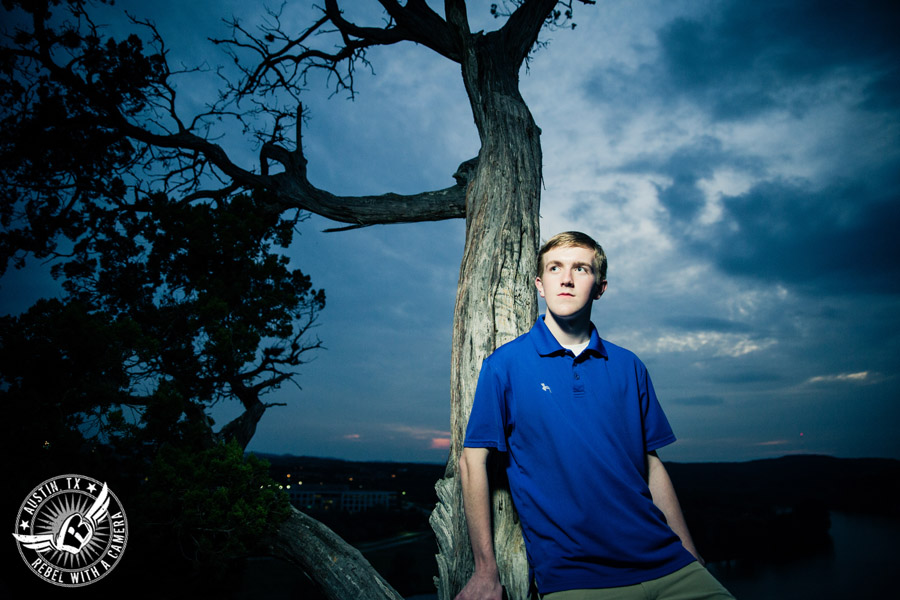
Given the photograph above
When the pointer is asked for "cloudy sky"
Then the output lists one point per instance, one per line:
(738, 161)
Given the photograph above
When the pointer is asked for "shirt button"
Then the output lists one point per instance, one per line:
(576, 376)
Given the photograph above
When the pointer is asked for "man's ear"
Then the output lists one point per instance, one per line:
(599, 289)
(539, 285)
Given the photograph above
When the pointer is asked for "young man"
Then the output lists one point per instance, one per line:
(580, 425)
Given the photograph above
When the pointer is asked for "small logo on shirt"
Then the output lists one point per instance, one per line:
(546, 388)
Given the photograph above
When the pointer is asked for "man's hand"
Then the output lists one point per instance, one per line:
(482, 587)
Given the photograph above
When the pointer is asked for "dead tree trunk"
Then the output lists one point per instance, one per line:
(495, 299)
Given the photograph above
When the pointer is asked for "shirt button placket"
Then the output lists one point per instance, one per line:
(578, 384)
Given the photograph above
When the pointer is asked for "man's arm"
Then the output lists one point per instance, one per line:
(485, 583)
(663, 493)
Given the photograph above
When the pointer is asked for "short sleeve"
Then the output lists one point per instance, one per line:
(486, 427)
(657, 431)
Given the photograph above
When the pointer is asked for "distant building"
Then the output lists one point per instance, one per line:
(341, 499)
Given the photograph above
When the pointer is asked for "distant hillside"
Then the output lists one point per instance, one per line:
(779, 508)
(415, 479)
(868, 485)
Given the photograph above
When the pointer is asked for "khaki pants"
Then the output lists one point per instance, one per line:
(692, 582)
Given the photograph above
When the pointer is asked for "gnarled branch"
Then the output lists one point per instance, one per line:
(339, 569)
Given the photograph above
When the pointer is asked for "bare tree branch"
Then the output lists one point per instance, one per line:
(521, 30)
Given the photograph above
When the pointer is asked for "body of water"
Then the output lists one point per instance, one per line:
(861, 565)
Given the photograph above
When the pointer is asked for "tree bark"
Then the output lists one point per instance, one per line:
(495, 300)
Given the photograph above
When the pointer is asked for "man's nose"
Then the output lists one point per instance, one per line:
(567, 279)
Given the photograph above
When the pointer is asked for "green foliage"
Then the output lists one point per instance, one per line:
(214, 504)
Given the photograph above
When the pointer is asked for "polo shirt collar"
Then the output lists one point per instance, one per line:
(546, 344)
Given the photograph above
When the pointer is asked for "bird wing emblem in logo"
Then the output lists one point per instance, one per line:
(76, 531)
(41, 542)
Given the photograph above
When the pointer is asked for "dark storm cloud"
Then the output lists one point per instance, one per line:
(842, 230)
(752, 57)
(681, 196)
(741, 61)
(843, 237)
(787, 230)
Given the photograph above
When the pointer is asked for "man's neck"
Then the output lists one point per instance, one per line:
(571, 331)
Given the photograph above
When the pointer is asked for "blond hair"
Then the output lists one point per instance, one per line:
(569, 239)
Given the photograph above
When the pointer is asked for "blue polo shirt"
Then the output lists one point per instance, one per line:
(576, 431)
